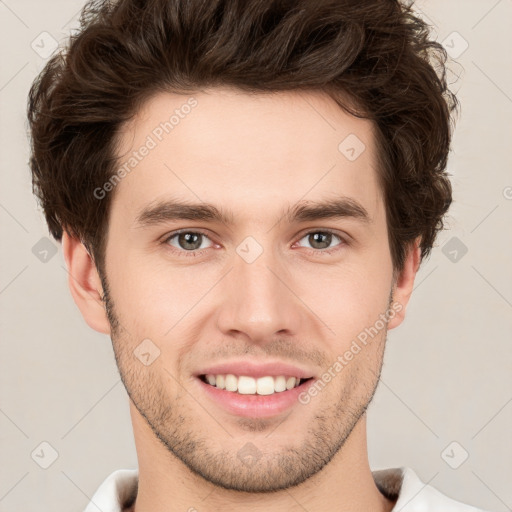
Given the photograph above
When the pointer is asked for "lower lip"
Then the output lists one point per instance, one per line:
(255, 406)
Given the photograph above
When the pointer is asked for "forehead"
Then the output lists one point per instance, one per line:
(248, 151)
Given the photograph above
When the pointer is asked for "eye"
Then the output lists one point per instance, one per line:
(191, 243)
(321, 240)
(187, 241)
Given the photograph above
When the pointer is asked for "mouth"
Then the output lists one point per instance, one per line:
(247, 385)
(253, 397)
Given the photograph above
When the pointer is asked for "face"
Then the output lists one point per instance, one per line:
(273, 281)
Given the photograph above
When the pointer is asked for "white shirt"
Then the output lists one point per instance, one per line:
(120, 489)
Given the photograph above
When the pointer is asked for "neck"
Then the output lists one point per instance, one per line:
(167, 485)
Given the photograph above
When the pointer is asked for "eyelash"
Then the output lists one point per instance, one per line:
(199, 252)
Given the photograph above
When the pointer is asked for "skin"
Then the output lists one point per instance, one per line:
(291, 304)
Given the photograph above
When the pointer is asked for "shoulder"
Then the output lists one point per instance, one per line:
(117, 492)
(414, 495)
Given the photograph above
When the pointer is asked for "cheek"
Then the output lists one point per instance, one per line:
(348, 299)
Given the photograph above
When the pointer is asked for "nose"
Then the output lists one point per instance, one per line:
(259, 300)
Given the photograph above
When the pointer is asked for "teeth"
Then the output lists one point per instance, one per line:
(221, 381)
(231, 383)
(246, 385)
(290, 382)
(250, 386)
(265, 386)
(280, 383)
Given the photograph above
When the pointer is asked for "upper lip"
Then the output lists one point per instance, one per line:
(256, 370)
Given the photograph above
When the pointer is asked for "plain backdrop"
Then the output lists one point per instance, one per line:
(444, 404)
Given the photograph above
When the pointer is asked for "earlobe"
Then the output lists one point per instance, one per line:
(404, 284)
(85, 283)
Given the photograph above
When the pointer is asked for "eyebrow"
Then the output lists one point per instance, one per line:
(164, 211)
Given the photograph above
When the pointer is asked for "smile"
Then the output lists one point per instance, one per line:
(245, 385)
(251, 397)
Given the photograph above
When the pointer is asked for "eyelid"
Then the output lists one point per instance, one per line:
(184, 230)
(336, 232)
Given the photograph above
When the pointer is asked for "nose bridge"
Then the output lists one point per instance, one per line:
(258, 302)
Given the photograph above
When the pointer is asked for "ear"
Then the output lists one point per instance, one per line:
(402, 288)
(85, 283)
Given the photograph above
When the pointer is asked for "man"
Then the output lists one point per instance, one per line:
(244, 191)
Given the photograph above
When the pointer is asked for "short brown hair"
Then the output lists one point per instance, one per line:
(376, 52)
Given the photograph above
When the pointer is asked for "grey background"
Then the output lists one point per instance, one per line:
(447, 372)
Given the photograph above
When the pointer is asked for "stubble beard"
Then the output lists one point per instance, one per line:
(179, 430)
